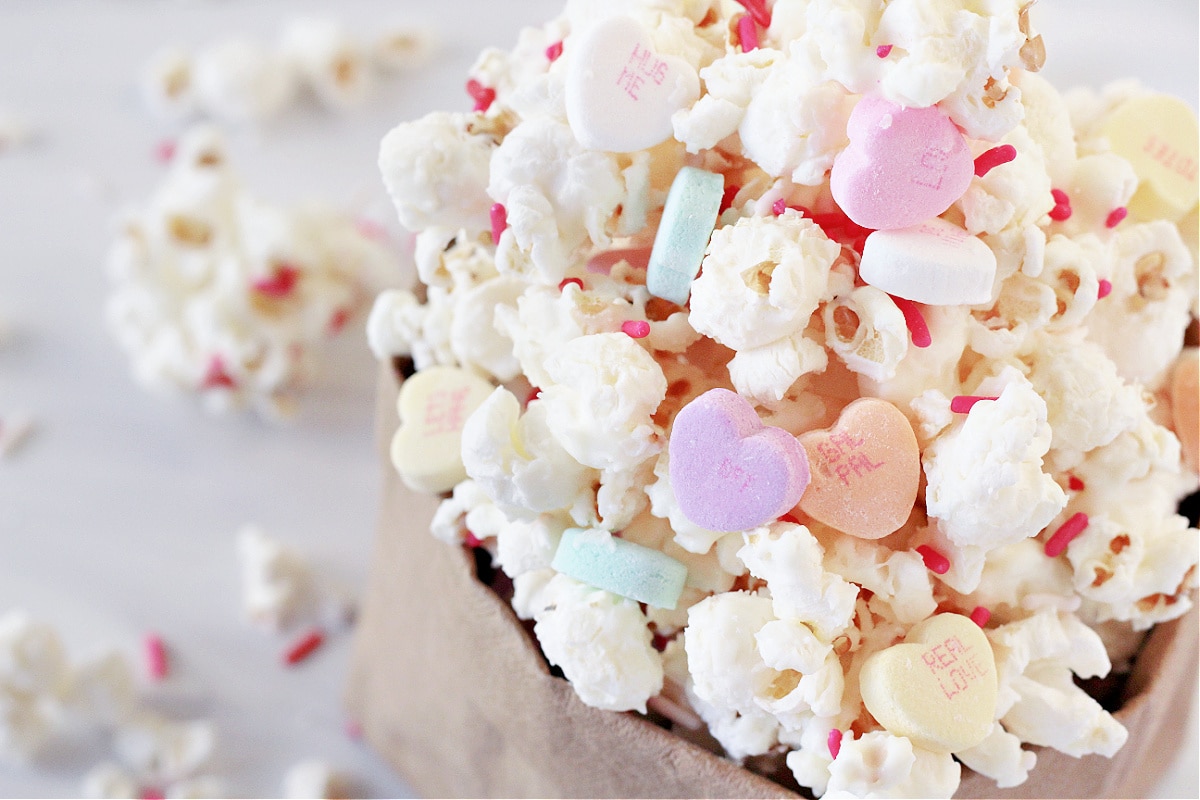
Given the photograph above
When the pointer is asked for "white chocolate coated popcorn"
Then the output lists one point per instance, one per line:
(1031, 409)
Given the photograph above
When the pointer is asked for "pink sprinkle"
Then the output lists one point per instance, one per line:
(963, 403)
(980, 616)
(553, 52)
(1105, 289)
(935, 561)
(156, 656)
(499, 217)
(636, 328)
(1075, 484)
(483, 96)
(151, 794)
(883, 51)
(990, 159)
(1115, 216)
(165, 151)
(216, 377)
(1062, 206)
(727, 197)
(303, 647)
(339, 320)
(758, 10)
(747, 33)
(835, 743)
(280, 284)
(353, 729)
(563, 284)
(917, 328)
(471, 540)
(1063, 536)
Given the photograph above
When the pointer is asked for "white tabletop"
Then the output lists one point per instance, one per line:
(120, 513)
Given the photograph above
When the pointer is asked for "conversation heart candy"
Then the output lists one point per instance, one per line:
(902, 166)
(1158, 135)
(1185, 405)
(434, 404)
(687, 224)
(620, 93)
(935, 262)
(864, 470)
(599, 559)
(728, 470)
(938, 687)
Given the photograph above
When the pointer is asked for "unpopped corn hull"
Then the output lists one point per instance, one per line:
(451, 691)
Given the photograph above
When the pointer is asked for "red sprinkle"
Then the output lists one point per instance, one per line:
(883, 51)
(758, 10)
(1115, 216)
(792, 518)
(1066, 532)
(280, 284)
(216, 377)
(980, 616)
(636, 328)
(483, 96)
(499, 217)
(917, 328)
(747, 33)
(935, 561)
(152, 794)
(471, 540)
(165, 151)
(339, 320)
(727, 197)
(534, 394)
(554, 51)
(303, 647)
(1062, 205)
(835, 743)
(779, 206)
(563, 284)
(1075, 484)
(156, 656)
(963, 403)
(1105, 289)
(990, 159)
(353, 729)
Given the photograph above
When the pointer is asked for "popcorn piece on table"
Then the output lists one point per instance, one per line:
(317, 779)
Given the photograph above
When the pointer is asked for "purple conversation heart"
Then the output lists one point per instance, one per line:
(729, 471)
(903, 165)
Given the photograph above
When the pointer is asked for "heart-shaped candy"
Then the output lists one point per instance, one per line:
(938, 687)
(620, 93)
(434, 404)
(1157, 134)
(902, 166)
(865, 470)
(1185, 405)
(934, 262)
(729, 471)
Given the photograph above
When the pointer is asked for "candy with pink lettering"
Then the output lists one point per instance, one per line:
(865, 470)
(621, 93)
(936, 263)
(902, 166)
(1158, 135)
(434, 404)
(938, 687)
(729, 471)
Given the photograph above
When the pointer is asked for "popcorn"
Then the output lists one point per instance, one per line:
(218, 293)
(316, 779)
(1033, 410)
(329, 59)
(280, 588)
(240, 81)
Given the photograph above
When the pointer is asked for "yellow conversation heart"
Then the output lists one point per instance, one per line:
(938, 687)
(1159, 136)
(434, 405)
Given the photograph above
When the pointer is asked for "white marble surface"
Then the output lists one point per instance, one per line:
(119, 513)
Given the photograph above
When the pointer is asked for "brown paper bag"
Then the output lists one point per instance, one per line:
(454, 693)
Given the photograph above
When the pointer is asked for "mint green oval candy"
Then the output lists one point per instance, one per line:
(688, 219)
(597, 558)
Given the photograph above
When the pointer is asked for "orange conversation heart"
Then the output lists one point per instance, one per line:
(865, 470)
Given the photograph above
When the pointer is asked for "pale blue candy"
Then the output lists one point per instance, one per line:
(599, 559)
(688, 219)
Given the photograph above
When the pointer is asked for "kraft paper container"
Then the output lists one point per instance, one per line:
(454, 693)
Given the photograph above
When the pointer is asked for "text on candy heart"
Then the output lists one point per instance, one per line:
(640, 66)
(445, 411)
(1169, 157)
(954, 665)
(842, 456)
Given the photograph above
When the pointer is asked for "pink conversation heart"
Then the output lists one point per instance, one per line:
(903, 165)
(729, 471)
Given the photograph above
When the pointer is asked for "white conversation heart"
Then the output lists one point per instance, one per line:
(620, 93)
(434, 404)
(936, 263)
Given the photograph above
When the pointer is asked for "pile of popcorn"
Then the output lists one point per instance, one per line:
(217, 292)
(239, 80)
(1049, 464)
